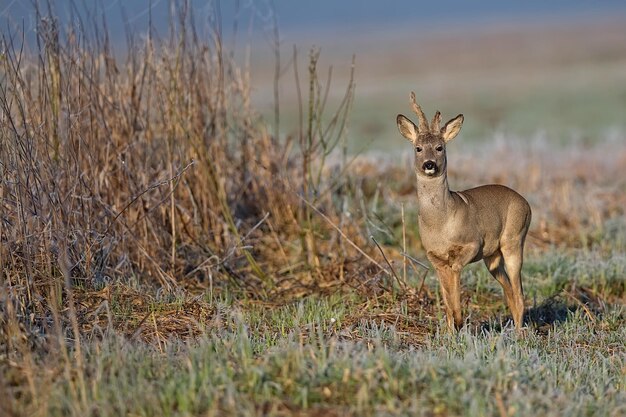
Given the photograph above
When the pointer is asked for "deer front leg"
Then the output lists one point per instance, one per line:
(450, 283)
(449, 273)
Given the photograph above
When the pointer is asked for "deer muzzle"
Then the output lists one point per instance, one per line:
(429, 168)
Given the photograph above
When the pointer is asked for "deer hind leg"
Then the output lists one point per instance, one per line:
(513, 259)
(450, 282)
(496, 265)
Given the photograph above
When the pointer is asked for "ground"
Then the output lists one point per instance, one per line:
(165, 253)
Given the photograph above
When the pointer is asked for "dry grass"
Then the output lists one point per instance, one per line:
(121, 177)
(145, 210)
(155, 171)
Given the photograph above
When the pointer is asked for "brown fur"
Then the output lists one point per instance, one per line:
(489, 222)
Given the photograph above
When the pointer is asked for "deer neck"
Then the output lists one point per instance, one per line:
(434, 199)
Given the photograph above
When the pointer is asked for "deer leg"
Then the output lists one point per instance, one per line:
(449, 272)
(450, 283)
(513, 258)
(495, 265)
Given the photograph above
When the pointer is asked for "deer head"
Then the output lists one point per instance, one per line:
(429, 141)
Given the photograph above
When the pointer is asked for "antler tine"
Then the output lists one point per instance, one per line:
(423, 124)
(434, 125)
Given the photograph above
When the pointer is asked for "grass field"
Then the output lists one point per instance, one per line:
(162, 253)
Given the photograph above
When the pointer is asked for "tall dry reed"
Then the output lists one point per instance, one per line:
(153, 171)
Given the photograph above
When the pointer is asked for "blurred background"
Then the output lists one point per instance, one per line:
(530, 70)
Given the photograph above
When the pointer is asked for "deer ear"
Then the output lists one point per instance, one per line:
(452, 128)
(407, 128)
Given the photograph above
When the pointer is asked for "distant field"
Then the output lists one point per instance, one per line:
(163, 254)
(559, 81)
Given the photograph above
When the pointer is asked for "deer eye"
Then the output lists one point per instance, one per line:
(418, 149)
(439, 148)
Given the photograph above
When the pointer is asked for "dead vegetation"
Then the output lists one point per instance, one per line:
(154, 171)
(122, 176)
(143, 197)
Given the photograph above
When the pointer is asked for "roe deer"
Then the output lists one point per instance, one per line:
(460, 227)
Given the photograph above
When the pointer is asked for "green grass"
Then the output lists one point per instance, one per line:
(237, 373)
(552, 375)
(330, 354)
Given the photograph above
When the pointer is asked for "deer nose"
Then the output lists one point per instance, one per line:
(429, 166)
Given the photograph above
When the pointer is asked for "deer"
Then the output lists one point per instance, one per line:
(457, 228)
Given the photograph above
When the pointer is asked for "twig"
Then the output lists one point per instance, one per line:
(412, 259)
(277, 72)
(354, 245)
(402, 284)
(256, 226)
(582, 305)
(403, 244)
(415, 262)
(419, 291)
(156, 332)
(150, 188)
(230, 252)
(140, 326)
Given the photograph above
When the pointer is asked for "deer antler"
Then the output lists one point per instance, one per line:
(434, 125)
(423, 123)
